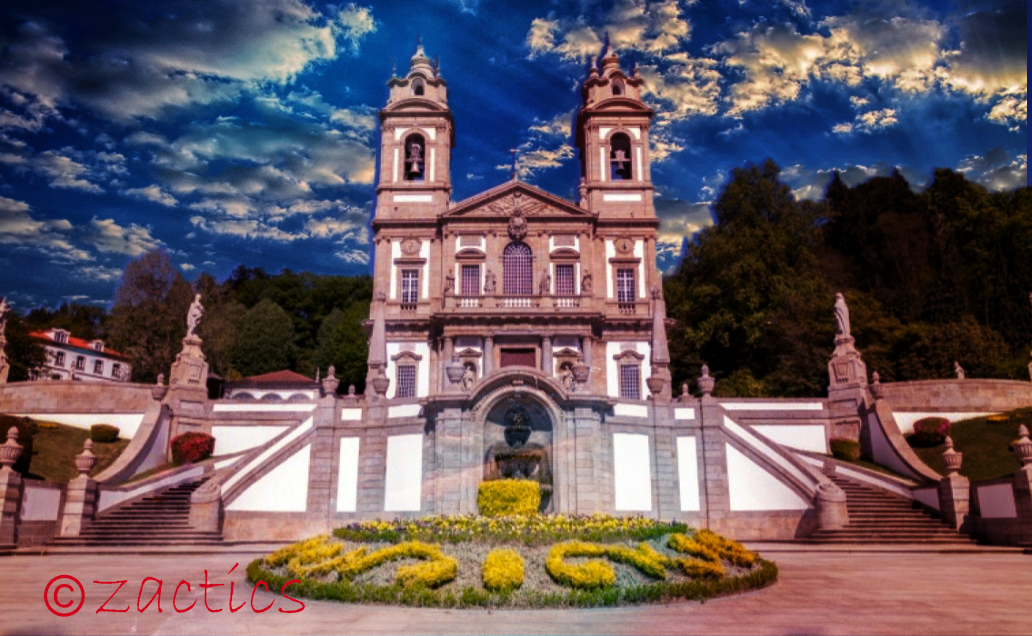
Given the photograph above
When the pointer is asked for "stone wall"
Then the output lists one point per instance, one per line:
(958, 395)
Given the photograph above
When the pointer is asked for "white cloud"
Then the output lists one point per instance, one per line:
(559, 126)
(152, 193)
(868, 122)
(810, 183)
(541, 37)
(1012, 109)
(19, 228)
(110, 237)
(679, 219)
(186, 267)
(997, 170)
(689, 86)
(353, 256)
(355, 23)
(97, 272)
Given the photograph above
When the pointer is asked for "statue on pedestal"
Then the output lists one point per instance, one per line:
(194, 315)
(959, 370)
(841, 315)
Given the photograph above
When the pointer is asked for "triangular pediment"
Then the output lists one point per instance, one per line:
(502, 200)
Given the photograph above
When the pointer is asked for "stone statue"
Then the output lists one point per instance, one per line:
(959, 370)
(841, 315)
(489, 283)
(4, 308)
(193, 317)
(449, 284)
(545, 288)
(566, 377)
(585, 284)
(469, 378)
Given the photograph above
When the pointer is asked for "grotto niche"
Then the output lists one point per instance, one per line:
(518, 445)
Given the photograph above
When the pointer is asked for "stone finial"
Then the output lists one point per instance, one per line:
(685, 395)
(330, 382)
(86, 460)
(706, 382)
(10, 450)
(877, 390)
(951, 458)
(959, 370)
(351, 390)
(1023, 447)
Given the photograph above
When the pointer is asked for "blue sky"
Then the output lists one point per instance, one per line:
(245, 131)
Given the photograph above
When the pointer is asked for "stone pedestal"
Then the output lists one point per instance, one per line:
(80, 506)
(831, 507)
(190, 368)
(206, 507)
(954, 494)
(10, 502)
(847, 392)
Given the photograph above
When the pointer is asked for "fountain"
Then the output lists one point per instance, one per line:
(518, 438)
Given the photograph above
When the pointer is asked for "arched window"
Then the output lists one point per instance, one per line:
(415, 157)
(417, 88)
(617, 88)
(620, 156)
(517, 270)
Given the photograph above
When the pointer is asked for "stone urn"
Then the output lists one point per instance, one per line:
(11, 450)
(454, 370)
(877, 390)
(380, 384)
(1022, 447)
(655, 384)
(86, 460)
(951, 458)
(159, 390)
(705, 382)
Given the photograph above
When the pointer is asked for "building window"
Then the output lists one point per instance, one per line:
(59, 359)
(625, 292)
(564, 280)
(418, 89)
(518, 358)
(517, 270)
(470, 280)
(409, 286)
(617, 88)
(116, 370)
(98, 367)
(406, 381)
(415, 158)
(98, 345)
(620, 156)
(60, 336)
(80, 363)
(630, 381)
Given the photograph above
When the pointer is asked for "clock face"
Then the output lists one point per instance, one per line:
(410, 246)
(624, 245)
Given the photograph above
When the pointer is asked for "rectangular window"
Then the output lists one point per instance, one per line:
(630, 381)
(470, 280)
(625, 292)
(410, 285)
(60, 336)
(518, 358)
(98, 367)
(564, 280)
(116, 370)
(406, 381)
(59, 359)
(80, 363)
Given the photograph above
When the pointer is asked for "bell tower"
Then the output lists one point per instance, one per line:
(613, 139)
(417, 135)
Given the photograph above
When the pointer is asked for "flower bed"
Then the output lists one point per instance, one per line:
(557, 561)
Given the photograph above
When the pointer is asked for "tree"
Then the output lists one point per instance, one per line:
(148, 319)
(343, 343)
(24, 353)
(266, 340)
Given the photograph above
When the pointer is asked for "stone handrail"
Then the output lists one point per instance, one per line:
(890, 449)
(146, 450)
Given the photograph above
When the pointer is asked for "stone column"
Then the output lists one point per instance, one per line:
(587, 344)
(81, 499)
(954, 490)
(10, 490)
(546, 355)
(448, 343)
(488, 355)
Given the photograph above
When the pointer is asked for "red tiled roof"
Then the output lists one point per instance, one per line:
(280, 377)
(77, 343)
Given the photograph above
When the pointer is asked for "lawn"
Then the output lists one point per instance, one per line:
(56, 445)
(985, 443)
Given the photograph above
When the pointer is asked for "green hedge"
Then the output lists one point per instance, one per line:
(104, 433)
(503, 497)
(845, 449)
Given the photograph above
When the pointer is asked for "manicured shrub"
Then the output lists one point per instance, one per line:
(930, 431)
(26, 427)
(589, 575)
(503, 497)
(192, 447)
(845, 449)
(502, 570)
(104, 433)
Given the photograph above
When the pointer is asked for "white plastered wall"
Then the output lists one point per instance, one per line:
(688, 473)
(404, 478)
(347, 475)
(751, 487)
(283, 489)
(233, 439)
(632, 474)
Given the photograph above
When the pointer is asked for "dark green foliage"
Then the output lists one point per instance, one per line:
(343, 343)
(82, 321)
(104, 433)
(24, 352)
(845, 449)
(931, 278)
(265, 341)
(26, 428)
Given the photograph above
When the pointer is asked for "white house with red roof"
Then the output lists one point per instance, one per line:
(71, 358)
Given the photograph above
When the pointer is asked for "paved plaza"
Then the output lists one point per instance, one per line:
(818, 593)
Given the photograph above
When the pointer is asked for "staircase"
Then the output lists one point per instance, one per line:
(162, 519)
(878, 517)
